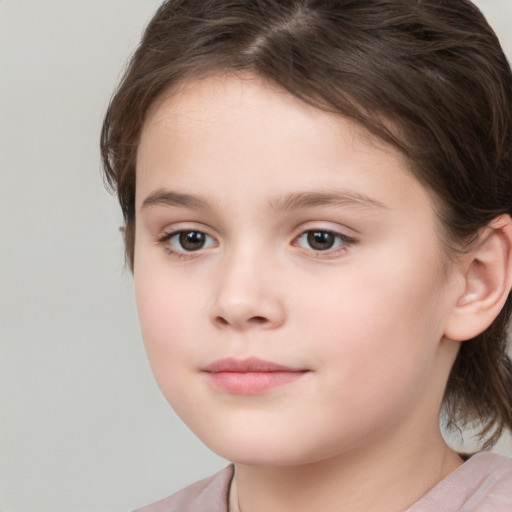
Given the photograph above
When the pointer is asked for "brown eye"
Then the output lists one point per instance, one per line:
(187, 241)
(319, 240)
(192, 240)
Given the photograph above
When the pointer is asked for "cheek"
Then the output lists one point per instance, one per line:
(166, 311)
(379, 318)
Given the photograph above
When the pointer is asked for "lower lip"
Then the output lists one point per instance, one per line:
(251, 383)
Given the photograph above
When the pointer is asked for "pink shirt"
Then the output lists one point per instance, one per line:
(482, 484)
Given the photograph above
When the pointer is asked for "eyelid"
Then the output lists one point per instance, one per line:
(179, 227)
(340, 233)
(169, 233)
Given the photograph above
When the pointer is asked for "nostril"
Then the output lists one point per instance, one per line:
(257, 320)
(240, 322)
(221, 321)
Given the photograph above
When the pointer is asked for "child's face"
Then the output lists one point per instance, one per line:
(299, 242)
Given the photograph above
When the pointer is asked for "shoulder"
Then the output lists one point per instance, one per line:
(208, 495)
(482, 484)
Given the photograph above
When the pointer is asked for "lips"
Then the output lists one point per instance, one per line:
(250, 376)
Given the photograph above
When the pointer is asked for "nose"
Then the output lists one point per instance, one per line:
(248, 295)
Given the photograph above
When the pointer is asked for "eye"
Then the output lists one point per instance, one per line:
(187, 241)
(322, 240)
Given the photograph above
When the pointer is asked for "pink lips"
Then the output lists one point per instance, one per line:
(250, 376)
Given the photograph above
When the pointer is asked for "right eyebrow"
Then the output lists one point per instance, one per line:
(169, 198)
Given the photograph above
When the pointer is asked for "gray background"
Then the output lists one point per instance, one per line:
(83, 426)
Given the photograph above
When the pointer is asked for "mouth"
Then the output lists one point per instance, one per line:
(251, 376)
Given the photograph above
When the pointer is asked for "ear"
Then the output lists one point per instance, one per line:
(487, 277)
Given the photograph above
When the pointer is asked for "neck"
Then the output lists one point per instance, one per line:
(384, 479)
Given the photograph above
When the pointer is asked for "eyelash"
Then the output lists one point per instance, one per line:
(343, 242)
(166, 239)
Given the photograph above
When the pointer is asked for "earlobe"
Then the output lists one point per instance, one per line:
(487, 282)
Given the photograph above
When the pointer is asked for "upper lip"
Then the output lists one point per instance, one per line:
(251, 364)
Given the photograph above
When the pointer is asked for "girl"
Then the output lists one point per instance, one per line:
(317, 196)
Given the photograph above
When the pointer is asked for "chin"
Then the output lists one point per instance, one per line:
(264, 449)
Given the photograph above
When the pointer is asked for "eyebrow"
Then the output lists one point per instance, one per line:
(170, 198)
(294, 201)
(302, 200)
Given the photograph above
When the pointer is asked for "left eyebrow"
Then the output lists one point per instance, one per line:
(302, 200)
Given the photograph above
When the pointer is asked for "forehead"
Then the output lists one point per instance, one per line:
(245, 127)
(216, 103)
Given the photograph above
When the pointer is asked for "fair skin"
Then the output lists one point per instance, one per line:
(268, 229)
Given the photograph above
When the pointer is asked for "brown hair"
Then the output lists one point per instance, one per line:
(427, 76)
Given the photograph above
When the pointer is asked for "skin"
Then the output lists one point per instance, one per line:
(366, 319)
